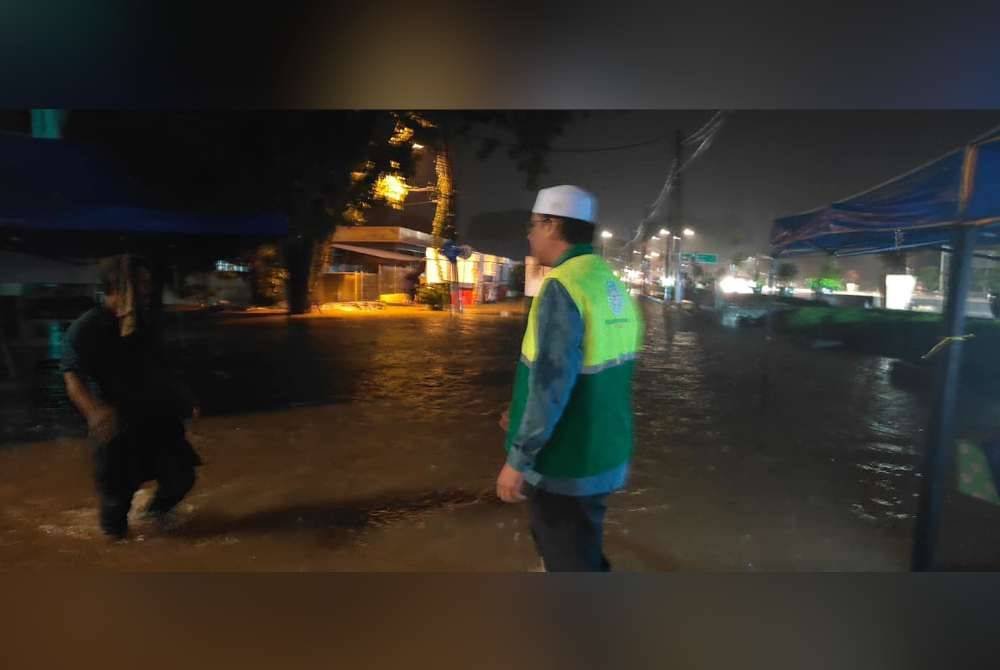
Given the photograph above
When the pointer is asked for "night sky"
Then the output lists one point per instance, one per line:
(763, 164)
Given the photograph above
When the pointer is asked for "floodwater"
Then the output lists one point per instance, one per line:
(369, 442)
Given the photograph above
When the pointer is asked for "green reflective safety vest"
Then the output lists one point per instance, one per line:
(594, 434)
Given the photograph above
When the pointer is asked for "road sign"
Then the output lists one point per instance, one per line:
(454, 251)
(699, 258)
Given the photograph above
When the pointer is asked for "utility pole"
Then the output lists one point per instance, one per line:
(677, 226)
(940, 452)
(941, 278)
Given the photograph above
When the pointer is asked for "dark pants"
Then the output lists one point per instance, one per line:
(569, 531)
(152, 449)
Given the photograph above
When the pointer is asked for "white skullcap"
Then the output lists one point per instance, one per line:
(569, 202)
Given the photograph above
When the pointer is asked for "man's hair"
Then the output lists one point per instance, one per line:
(110, 271)
(576, 231)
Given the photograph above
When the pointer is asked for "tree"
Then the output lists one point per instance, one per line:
(830, 278)
(830, 269)
(321, 168)
(533, 131)
(929, 277)
(786, 272)
(298, 163)
(267, 276)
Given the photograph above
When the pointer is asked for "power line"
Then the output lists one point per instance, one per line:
(577, 150)
(703, 137)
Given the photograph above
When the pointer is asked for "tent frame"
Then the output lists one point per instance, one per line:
(939, 455)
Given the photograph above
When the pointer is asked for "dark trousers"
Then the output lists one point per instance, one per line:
(143, 451)
(569, 531)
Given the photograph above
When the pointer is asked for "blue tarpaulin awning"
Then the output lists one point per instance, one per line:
(914, 210)
(54, 186)
(953, 202)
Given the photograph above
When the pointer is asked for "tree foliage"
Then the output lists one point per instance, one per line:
(787, 272)
(318, 167)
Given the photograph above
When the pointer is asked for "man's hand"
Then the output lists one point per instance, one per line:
(509, 485)
(102, 420)
(103, 423)
(505, 420)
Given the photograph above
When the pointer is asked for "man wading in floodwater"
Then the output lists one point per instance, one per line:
(569, 426)
(135, 418)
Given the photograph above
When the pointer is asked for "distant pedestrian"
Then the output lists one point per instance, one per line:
(412, 282)
(134, 406)
(569, 426)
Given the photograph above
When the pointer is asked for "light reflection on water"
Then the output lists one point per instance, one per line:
(829, 417)
(720, 413)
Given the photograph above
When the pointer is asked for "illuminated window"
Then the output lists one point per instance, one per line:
(226, 266)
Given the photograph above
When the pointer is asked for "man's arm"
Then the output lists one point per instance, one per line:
(552, 376)
(101, 419)
(80, 395)
(75, 366)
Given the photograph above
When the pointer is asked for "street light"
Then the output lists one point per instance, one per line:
(393, 189)
(688, 232)
(664, 232)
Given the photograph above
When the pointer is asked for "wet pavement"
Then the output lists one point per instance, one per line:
(369, 442)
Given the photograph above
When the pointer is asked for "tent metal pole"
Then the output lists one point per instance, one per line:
(939, 455)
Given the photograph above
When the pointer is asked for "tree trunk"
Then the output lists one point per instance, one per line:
(319, 263)
(299, 258)
(445, 192)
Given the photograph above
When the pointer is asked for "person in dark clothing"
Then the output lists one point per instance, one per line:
(412, 279)
(117, 378)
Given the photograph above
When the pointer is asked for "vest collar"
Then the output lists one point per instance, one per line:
(574, 251)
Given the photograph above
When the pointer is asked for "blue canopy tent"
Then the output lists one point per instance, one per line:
(951, 203)
(918, 209)
(51, 186)
(60, 200)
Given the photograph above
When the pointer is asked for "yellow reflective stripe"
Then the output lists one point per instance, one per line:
(594, 369)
